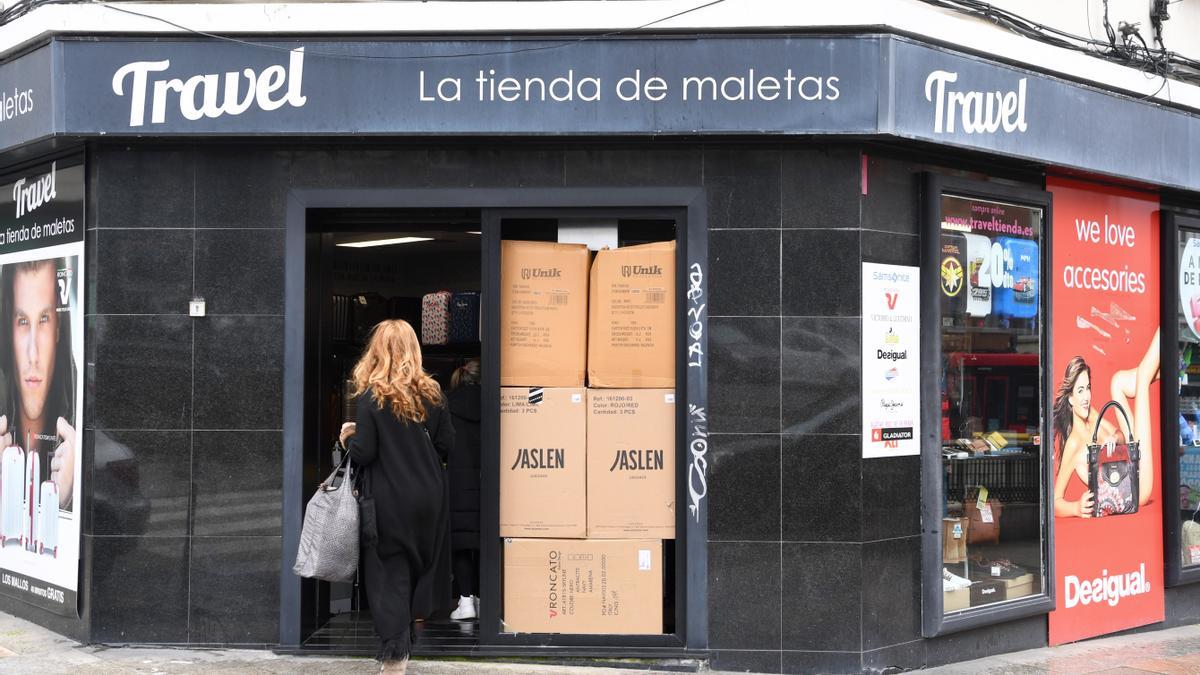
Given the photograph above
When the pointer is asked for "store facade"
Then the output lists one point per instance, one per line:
(821, 488)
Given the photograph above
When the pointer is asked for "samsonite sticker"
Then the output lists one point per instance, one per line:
(644, 560)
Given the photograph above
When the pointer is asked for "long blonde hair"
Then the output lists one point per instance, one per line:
(391, 368)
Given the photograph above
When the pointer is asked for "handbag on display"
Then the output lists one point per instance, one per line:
(329, 538)
(983, 530)
(1113, 474)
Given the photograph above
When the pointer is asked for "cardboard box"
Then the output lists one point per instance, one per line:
(543, 465)
(609, 586)
(987, 592)
(956, 599)
(543, 314)
(631, 326)
(631, 463)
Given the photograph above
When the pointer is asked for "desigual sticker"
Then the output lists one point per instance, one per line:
(952, 276)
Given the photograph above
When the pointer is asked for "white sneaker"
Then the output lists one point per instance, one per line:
(949, 579)
(466, 609)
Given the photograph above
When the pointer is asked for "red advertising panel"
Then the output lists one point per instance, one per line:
(1105, 385)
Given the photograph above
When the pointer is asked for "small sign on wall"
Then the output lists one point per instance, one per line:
(891, 372)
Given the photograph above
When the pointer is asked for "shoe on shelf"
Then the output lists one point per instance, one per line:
(466, 609)
(951, 579)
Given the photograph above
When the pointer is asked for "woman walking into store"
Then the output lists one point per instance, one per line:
(400, 411)
(464, 488)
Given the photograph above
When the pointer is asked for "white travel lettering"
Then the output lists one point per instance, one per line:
(30, 196)
(137, 91)
(978, 111)
(200, 95)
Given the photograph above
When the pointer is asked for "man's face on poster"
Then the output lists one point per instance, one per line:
(35, 336)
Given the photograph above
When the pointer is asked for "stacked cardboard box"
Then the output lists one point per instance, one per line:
(597, 462)
(543, 314)
(631, 326)
(583, 586)
(543, 484)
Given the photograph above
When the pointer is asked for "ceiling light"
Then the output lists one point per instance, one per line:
(474, 232)
(384, 242)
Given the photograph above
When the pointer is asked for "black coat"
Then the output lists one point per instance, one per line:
(408, 483)
(464, 468)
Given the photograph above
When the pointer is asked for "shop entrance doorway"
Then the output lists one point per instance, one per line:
(365, 266)
(335, 293)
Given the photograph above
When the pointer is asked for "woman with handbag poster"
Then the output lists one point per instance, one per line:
(1078, 425)
(400, 440)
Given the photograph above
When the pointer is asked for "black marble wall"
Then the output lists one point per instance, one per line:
(814, 555)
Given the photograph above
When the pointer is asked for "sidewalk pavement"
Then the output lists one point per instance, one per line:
(1175, 651)
(29, 649)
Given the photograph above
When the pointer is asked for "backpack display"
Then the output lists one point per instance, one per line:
(1113, 474)
(952, 277)
(464, 317)
(1020, 301)
(979, 292)
(435, 318)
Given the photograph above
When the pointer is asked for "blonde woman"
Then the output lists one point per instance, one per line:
(399, 442)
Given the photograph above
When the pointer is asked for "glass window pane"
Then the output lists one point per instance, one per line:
(990, 278)
(1189, 401)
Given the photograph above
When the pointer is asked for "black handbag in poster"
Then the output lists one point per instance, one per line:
(1113, 472)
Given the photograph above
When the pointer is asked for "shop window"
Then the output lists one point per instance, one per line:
(986, 455)
(1181, 413)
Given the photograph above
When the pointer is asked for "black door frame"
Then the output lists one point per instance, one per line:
(692, 369)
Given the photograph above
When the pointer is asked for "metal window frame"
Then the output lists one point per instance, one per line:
(688, 206)
(1170, 225)
(933, 619)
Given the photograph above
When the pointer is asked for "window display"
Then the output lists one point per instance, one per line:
(989, 277)
(1189, 397)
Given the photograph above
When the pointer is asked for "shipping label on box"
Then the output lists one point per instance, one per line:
(543, 465)
(609, 586)
(543, 313)
(631, 327)
(631, 463)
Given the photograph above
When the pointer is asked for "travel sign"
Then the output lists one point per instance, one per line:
(856, 85)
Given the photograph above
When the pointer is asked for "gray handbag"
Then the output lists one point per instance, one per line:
(329, 538)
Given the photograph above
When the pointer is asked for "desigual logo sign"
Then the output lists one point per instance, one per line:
(952, 276)
(528, 273)
(977, 112)
(209, 95)
(641, 271)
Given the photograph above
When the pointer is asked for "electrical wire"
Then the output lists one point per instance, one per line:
(1128, 48)
(384, 57)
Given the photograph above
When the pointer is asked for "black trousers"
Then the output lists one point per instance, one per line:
(389, 583)
(466, 572)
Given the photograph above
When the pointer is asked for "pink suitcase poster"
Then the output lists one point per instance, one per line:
(33, 469)
(12, 494)
(47, 526)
